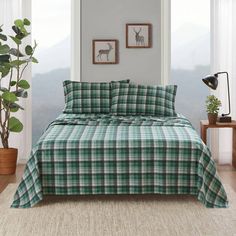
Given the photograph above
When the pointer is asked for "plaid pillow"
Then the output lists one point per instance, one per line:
(131, 99)
(85, 97)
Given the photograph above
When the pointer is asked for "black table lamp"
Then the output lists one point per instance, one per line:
(212, 82)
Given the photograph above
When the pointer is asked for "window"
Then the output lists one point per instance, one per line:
(51, 29)
(190, 56)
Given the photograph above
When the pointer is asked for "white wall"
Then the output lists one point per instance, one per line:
(106, 19)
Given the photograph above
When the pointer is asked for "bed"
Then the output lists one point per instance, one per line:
(120, 138)
(93, 154)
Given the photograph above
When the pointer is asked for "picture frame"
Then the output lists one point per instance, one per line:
(138, 35)
(105, 51)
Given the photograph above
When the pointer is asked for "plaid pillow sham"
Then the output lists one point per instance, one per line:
(85, 97)
(131, 99)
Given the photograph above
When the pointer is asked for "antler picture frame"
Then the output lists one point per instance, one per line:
(105, 51)
(138, 35)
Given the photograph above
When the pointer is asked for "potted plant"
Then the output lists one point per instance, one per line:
(13, 62)
(212, 105)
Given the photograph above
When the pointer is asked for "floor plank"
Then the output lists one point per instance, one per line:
(8, 179)
(226, 172)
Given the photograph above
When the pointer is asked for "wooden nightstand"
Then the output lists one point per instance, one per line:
(205, 125)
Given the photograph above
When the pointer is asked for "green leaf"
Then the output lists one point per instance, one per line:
(4, 70)
(13, 83)
(16, 29)
(21, 93)
(15, 105)
(23, 84)
(4, 59)
(24, 31)
(3, 37)
(34, 60)
(9, 96)
(20, 36)
(4, 49)
(26, 22)
(19, 23)
(28, 50)
(15, 125)
(17, 62)
(14, 109)
(15, 52)
(16, 40)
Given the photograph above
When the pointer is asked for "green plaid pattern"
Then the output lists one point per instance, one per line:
(85, 97)
(105, 154)
(131, 99)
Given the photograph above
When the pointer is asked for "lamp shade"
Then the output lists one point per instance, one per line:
(211, 81)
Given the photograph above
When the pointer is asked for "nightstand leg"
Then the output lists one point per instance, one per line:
(204, 134)
(234, 148)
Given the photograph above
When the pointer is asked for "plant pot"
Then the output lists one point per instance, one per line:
(8, 158)
(212, 118)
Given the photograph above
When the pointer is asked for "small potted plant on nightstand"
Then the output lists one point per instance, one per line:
(13, 87)
(212, 105)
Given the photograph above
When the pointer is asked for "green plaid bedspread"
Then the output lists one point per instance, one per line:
(105, 154)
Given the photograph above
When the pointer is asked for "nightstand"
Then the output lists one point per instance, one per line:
(205, 125)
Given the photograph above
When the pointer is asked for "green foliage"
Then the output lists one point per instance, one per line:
(212, 104)
(9, 96)
(26, 22)
(3, 37)
(21, 93)
(34, 60)
(19, 23)
(16, 40)
(17, 63)
(4, 49)
(23, 84)
(13, 62)
(4, 59)
(15, 125)
(15, 52)
(28, 50)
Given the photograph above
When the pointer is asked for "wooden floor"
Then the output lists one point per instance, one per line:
(7, 179)
(227, 174)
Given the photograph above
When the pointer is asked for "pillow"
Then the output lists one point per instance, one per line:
(131, 99)
(85, 97)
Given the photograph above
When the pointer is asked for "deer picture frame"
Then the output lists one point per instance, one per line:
(105, 51)
(138, 35)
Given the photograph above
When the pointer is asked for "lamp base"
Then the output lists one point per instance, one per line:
(224, 119)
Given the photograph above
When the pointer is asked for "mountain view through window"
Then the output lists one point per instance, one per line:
(51, 29)
(190, 56)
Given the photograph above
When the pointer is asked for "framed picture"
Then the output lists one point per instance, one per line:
(138, 35)
(105, 51)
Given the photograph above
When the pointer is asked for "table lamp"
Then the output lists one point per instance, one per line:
(212, 82)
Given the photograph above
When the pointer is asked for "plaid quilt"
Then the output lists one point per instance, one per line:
(104, 154)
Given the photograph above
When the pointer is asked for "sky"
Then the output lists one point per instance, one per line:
(51, 19)
(190, 11)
